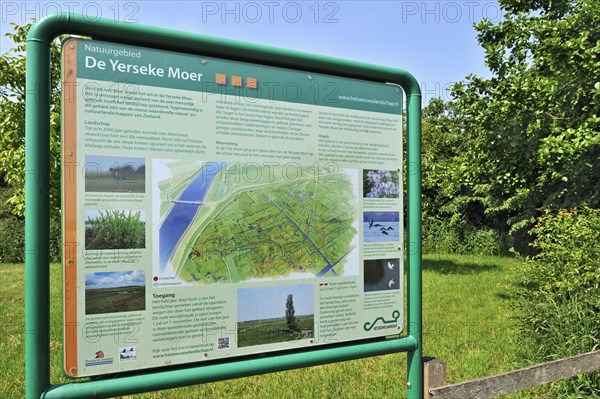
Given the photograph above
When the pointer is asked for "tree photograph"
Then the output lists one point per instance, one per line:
(272, 314)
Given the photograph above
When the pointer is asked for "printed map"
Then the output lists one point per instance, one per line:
(225, 224)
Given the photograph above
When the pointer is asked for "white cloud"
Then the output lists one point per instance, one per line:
(116, 279)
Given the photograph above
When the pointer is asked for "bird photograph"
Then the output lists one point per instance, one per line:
(381, 226)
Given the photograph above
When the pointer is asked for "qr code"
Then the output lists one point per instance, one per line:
(223, 343)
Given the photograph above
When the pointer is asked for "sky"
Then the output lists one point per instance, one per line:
(104, 163)
(268, 302)
(381, 216)
(433, 40)
(115, 279)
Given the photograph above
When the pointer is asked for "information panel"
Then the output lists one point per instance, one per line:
(214, 208)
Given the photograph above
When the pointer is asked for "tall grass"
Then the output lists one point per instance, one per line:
(116, 230)
(557, 295)
(466, 324)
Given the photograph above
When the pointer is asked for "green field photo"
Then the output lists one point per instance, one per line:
(267, 315)
(114, 292)
(270, 331)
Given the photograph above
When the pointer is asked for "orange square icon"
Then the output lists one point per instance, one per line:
(251, 83)
(236, 81)
(221, 79)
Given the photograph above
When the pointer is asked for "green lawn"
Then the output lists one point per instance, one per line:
(113, 300)
(466, 323)
(260, 332)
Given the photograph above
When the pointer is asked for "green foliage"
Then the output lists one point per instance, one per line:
(558, 293)
(527, 139)
(441, 146)
(292, 323)
(443, 236)
(510, 147)
(12, 142)
(12, 234)
(12, 121)
(454, 219)
(115, 230)
(533, 129)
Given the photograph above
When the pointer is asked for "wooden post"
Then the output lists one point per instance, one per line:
(518, 380)
(434, 374)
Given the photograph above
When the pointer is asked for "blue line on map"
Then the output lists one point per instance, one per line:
(329, 265)
(184, 211)
(328, 268)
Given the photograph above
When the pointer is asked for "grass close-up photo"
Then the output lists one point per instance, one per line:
(115, 230)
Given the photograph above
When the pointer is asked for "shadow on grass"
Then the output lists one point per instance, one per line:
(505, 296)
(447, 266)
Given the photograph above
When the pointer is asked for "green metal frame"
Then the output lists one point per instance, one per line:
(37, 165)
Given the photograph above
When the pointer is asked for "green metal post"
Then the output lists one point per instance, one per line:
(414, 285)
(216, 372)
(37, 270)
(37, 278)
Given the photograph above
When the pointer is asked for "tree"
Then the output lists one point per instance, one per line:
(442, 143)
(12, 129)
(533, 133)
(292, 323)
(534, 128)
(454, 220)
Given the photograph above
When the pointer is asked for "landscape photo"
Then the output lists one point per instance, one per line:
(114, 292)
(267, 315)
(106, 174)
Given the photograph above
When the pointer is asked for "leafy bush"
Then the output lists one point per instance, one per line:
(12, 233)
(115, 230)
(557, 294)
(441, 236)
(12, 239)
(12, 230)
(55, 249)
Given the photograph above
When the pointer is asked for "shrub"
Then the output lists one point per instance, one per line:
(557, 294)
(12, 239)
(12, 233)
(12, 230)
(443, 236)
(55, 250)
